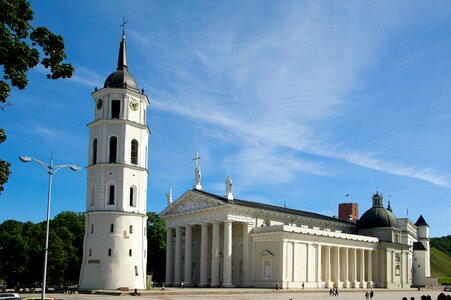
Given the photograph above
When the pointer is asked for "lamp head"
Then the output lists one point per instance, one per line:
(24, 159)
(74, 168)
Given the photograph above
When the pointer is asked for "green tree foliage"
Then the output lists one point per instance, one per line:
(442, 243)
(23, 246)
(156, 246)
(4, 165)
(21, 47)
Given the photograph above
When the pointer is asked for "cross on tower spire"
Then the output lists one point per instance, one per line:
(123, 26)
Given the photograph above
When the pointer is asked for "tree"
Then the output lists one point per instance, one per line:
(156, 246)
(19, 47)
(4, 165)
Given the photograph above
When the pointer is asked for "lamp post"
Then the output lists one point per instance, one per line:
(50, 169)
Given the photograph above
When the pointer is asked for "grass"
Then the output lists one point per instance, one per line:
(441, 266)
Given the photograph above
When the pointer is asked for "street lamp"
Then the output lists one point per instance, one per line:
(50, 169)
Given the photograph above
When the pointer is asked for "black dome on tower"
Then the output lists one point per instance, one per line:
(377, 216)
(121, 78)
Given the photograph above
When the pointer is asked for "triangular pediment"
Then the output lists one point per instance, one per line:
(266, 253)
(192, 201)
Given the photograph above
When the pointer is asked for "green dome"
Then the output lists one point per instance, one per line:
(377, 216)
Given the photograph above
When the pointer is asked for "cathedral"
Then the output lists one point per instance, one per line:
(220, 241)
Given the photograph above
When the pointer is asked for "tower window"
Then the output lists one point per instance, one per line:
(90, 252)
(111, 195)
(115, 109)
(92, 228)
(109, 252)
(130, 252)
(112, 228)
(94, 151)
(113, 149)
(132, 196)
(136, 271)
(92, 196)
(134, 152)
(131, 229)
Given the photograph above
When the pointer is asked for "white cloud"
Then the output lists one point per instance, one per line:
(276, 88)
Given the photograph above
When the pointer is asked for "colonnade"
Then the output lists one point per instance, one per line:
(344, 266)
(209, 257)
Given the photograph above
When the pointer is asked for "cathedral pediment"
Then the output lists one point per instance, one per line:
(192, 201)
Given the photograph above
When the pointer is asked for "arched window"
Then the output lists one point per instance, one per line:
(134, 152)
(92, 195)
(111, 228)
(130, 252)
(113, 149)
(130, 229)
(94, 151)
(132, 196)
(109, 251)
(111, 195)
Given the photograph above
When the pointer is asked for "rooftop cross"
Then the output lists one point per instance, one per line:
(197, 159)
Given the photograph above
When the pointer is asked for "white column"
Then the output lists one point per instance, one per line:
(337, 266)
(215, 255)
(247, 227)
(188, 255)
(327, 267)
(227, 277)
(310, 264)
(169, 256)
(355, 284)
(204, 256)
(178, 256)
(370, 268)
(346, 268)
(362, 269)
(318, 266)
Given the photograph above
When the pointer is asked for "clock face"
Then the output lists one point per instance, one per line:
(99, 103)
(134, 104)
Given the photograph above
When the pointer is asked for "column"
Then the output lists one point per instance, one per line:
(169, 256)
(354, 268)
(318, 266)
(327, 268)
(370, 268)
(337, 266)
(362, 269)
(178, 256)
(346, 268)
(215, 255)
(188, 255)
(227, 277)
(204, 255)
(247, 227)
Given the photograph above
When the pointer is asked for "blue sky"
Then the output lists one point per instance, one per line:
(301, 102)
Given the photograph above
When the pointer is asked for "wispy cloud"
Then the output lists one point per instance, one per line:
(276, 91)
(87, 77)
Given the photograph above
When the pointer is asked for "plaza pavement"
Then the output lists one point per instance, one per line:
(252, 293)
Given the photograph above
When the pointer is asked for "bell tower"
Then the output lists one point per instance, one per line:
(115, 242)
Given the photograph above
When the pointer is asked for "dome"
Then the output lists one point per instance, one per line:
(120, 79)
(377, 216)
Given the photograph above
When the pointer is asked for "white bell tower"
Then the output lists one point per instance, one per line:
(115, 242)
